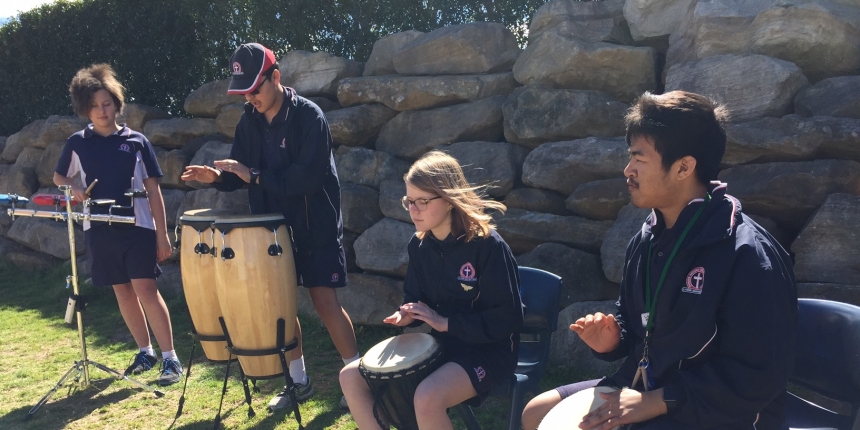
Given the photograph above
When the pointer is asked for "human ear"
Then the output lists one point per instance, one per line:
(685, 167)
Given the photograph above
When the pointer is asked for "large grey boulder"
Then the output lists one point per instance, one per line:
(174, 133)
(47, 236)
(830, 291)
(48, 162)
(192, 146)
(135, 115)
(592, 21)
(316, 73)
(563, 166)
(497, 164)
(172, 202)
(411, 134)
(775, 230)
(789, 193)
(650, 19)
(170, 281)
(792, 138)
(207, 101)
(325, 104)
(382, 249)
(477, 47)
(57, 129)
(612, 252)
(563, 61)
(826, 250)
(524, 230)
(367, 167)
(29, 260)
(390, 193)
(368, 299)
(359, 207)
(404, 93)
(536, 200)
(536, 114)
(599, 200)
(839, 97)
(228, 118)
(17, 142)
(19, 180)
(581, 273)
(381, 61)
(236, 201)
(3, 143)
(358, 125)
(750, 85)
(349, 239)
(172, 165)
(206, 156)
(29, 157)
(568, 350)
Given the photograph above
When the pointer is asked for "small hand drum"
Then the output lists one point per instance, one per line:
(567, 415)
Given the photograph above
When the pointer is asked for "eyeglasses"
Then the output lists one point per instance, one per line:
(420, 204)
(257, 91)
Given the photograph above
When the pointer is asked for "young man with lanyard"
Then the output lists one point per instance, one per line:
(282, 152)
(708, 306)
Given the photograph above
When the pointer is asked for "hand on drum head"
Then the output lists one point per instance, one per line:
(399, 318)
(420, 311)
(204, 174)
(600, 332)
(625, 406)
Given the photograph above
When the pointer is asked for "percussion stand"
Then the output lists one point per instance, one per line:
(81, 367)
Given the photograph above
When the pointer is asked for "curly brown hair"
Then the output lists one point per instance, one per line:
(90, 80)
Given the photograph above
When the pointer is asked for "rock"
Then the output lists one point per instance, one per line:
(601, 21)
(792, 138)
(358, 125)
(788, 193)
(535, 114)
(411, 134)
(324, 103)
(5, 221)
(349, 239)
(170, 281)
(359, 206)
(390, 193)
(382, 248)
(316, 73)
(612, 252)
(367, 167)
(20, 181)
(778, 233)
(404, 93)
(207, 101)
(750, 86)
(839, 97)
(536, 200)
(524, 230)
(48, 162)
(581, 273)
(623, 72)
(20, 140)
(192, 146)
(650, 19)
(57, 129)
(568, 350)
(28, 260)
(3, 143)
(172, 202)
(206, 156)
(368, 299)
(174, 133)
(47, 236)
(135, 116)
(563, 166)
(826, 250)
(381, 61)
(497, 164)
(228, 118)
(210, 198)
(29, 157)
(599, 200)
(825, 291)
(172, 165)
(477, 47)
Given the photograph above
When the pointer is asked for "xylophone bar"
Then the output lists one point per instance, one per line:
(77, 216)
(12, 198)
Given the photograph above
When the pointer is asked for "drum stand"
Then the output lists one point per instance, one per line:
(80, 369)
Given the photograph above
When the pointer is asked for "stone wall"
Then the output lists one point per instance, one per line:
(544, 125)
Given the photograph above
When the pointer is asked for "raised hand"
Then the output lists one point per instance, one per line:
(600, 332)
(420, 311)
(399, 318)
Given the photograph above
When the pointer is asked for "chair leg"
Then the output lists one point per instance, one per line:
(517, 394)
(468, 417)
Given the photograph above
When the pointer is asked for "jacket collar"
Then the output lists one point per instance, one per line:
(284, 112)
(123, 131)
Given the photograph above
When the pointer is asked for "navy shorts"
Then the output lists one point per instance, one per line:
(321, 268)
(121, 253)
(486, 365)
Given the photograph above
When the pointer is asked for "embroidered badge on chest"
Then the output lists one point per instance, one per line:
(695, 281)
(125, 147)
(467, 273)
(466, 287)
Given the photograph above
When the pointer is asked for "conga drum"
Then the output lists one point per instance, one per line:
(198, 280)
(567, 415)
(393, 369)
(255, 276)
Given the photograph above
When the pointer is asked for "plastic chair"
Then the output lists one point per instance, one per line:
(540, 292)
(827, 362)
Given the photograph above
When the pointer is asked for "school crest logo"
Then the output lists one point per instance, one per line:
(695, 281)
(467, 272)
(125, 147)
(480, 373)
(237, 68)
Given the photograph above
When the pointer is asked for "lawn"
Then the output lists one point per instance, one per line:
(38, 347)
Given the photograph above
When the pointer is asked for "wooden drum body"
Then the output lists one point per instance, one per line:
(198, 280)
(567, 414)
(256, 283)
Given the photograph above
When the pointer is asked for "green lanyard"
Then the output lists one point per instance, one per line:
(651, 304)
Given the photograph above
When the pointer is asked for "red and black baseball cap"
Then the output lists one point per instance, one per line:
(248, 64)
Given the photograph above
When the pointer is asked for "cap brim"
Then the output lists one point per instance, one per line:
(242, 85)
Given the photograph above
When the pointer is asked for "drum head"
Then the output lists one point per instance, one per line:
(399, 352)
(568, 413)
(202, 215)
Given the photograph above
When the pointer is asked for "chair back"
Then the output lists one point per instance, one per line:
(540, 292)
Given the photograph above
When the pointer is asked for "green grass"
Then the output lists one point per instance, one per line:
(38, 348)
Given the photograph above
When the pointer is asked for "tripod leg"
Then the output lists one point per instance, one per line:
(251, 412)
(187, 374)
(116, 374)
(223, 392)
(76, 367)
(290, 387)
